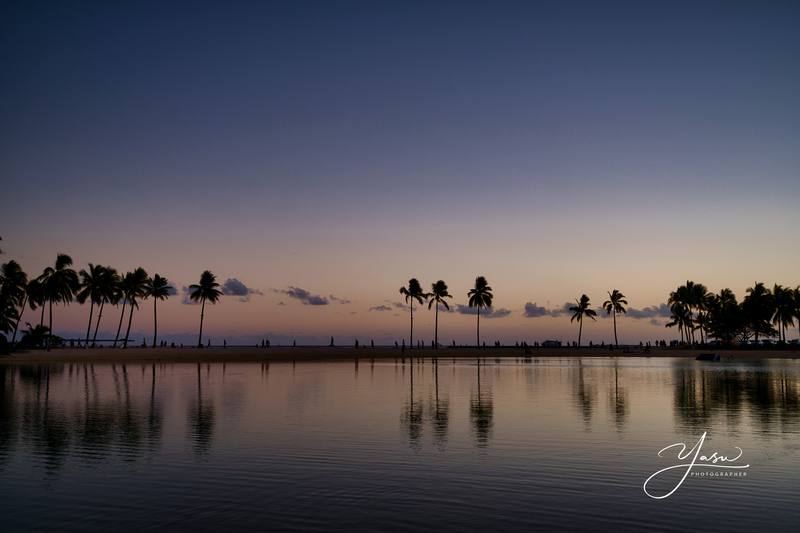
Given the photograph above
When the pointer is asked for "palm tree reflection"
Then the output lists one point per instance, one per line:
(481, 412)
(411, 417)
(201, 420)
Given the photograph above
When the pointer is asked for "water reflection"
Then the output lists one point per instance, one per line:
(618, 400)
(440, 411)
(201, 419)
(481, 411)
(705, 394)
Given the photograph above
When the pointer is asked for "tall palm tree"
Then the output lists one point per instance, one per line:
(615, 304)
(480, 296)
(110, 290)
(796, 300)
(784, 309)
(206, 289)
(580, 310)
(758, 308)
(135, 287)
(413, 292)
(91, 289)
(60, 285)
(679, 316)
(34, 297)
(158, 288)
(13, 292)
(438, 295)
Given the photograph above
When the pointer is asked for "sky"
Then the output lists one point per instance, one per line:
(341, 148)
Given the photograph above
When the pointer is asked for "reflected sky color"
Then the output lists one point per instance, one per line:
(410, 445)
(557, 148)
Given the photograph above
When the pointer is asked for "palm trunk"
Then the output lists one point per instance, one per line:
(411, 335)
(436, 328)
(478, 336)
(97, 325)
(21, 310)
(580, 330)
(616, 342)
(155, 321)
(121, 316)
(130, 319)
(89, 325)
(50, 312)
(202, 312)
(41, 318)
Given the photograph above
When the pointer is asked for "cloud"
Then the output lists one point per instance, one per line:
(655, 322)
(234, 287)
(338, 300)
(185, 296)
(490, 312)
(281, 303)
(304, 296)
(399, 305)
(380, 308)
(649, 312)
(171, 291)
(533, 310)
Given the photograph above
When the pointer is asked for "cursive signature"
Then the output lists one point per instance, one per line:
(693, 455)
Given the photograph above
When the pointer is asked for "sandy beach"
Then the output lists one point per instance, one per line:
(304, 353)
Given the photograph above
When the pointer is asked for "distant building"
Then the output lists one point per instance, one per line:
(551, 344)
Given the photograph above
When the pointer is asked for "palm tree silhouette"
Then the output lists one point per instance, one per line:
(438, 295)
(411, 293)
(758, 308)
(60, 285)
(580, 310)
(158, 288)
(110, 291)
(206, 289)
(784, 309)
(13, 294)
(680, 316)
(34, 297)
(91, 289)
(480, 296)
(615, 304)
(135, 287)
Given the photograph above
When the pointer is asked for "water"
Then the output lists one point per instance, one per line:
(501, 446)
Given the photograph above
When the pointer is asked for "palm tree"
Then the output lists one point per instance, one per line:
(411, 293)
(784, 309)
(580, 310)
(135, 287)
(34, 297)
(438, 295)
(13, 285)
(158, 288)
(205, 290)
(480, 296)
(679, 316)
(796, 300)
(615, 304)
(91, 289)
(60, 285)
(758, 308)
(110, 290)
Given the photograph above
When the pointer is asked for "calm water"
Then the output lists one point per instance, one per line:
(536, 445)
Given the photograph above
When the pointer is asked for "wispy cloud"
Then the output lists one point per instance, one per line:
(304, 296)
(533, 310)
(652, 311)
(489, 312)
(234, 287)
(380, 308)
(338, 300)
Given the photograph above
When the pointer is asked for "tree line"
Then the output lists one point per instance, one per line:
(98, 285)
(698, 314)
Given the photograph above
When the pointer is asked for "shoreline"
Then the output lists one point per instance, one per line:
(305, 353)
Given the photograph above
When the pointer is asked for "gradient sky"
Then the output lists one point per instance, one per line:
(342, 147)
